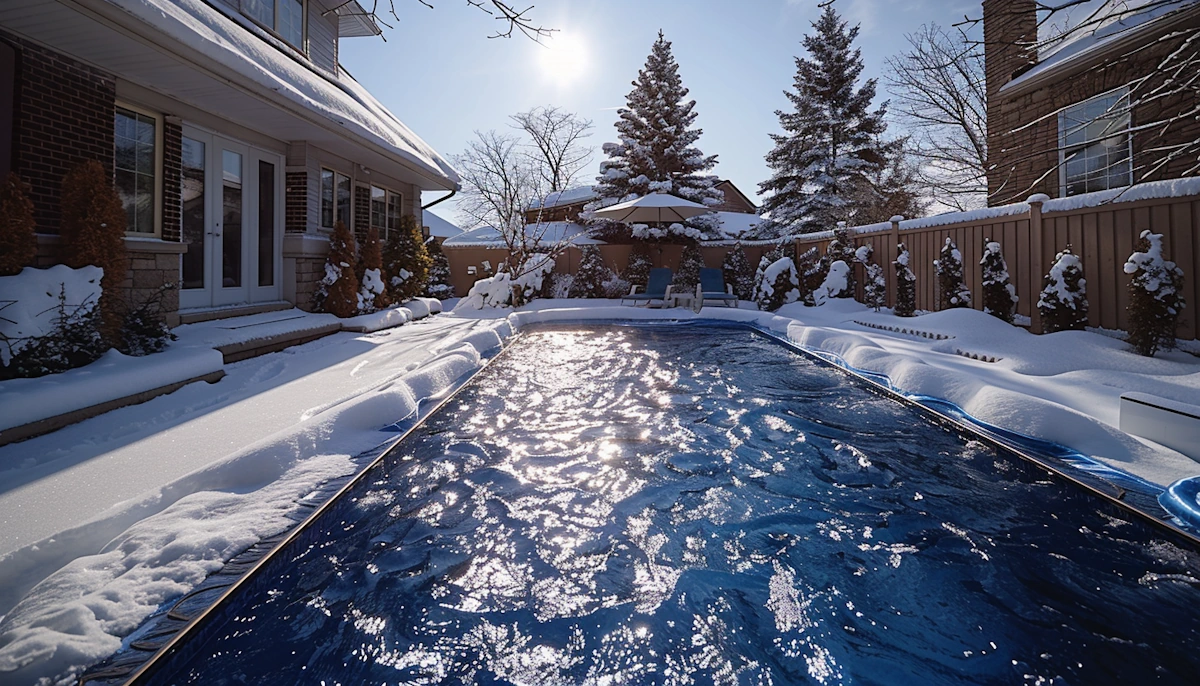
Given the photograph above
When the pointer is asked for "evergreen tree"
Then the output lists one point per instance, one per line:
(894, 189)
(831, 142)
(952, 292)
(638, 269)
(690, 263)
(1064, 304)
(1155, 296)
(656, 151)
(593, 277)
(372, 293)
(18, 241)
(737, 273)
(337, 292)
(841, 248)
(438, 284)
(407, 261)
(764, 262)
(906, 284)
(93, 233)
(779, 284)
(999, 295)
(875, 285)
(812, 274)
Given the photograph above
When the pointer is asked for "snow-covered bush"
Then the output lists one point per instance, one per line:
(841, 248)
(906, 284)
(18, 241)
(640, 262)
(999, 295)
(769, 258)
(145, 330)
(875, 285)
(408, 262)
(502, 289)
(691, 261)
(952, 292)
(93, 233)
(372, 292)
(557, 286)
(49, 320)
(438, 285)
(592, 277)
(812, 272)
(337, 291)
(736, 268)
(1064, 304)
(836, 282)
(1155, 296)
(779, 284)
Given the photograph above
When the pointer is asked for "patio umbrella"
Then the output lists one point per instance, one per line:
(656, 207)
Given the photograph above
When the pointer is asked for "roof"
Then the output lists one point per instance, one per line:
(552, 232)
(244, 50)
(438, 226)
(736, 224)
(570, 196)
(353, 20)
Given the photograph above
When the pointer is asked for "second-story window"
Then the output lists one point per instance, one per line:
(1093, 138)
(284, 17)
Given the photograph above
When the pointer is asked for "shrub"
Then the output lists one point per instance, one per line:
(337, 292)
(841, 248)
(93, 233)
(812, 273)
(875, 285)
(780, 284)
(438, 284)
(372, 292)
(999, 295)
(640, 262)
(1064, 304)
(407, 261)
(770, 257)
(592, 277)
(18, 240)
(1155, 296)
(906, 284)
(74, 342)
(690, 263)
(145, 330)
(737, 273)
(952, 292)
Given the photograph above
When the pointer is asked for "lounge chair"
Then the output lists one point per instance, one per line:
(658, 287)
(712, 288)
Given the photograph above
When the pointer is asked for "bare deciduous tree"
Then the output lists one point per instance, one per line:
(939, 95)
(511, 18)
(556, 144)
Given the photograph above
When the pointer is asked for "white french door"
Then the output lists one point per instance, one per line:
(232, 222)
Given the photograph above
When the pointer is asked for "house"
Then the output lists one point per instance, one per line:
(234, 137)
(437, 228)
(1109, 104)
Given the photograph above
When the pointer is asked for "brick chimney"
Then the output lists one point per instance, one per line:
(1009, 37)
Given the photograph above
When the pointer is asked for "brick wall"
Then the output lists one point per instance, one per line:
(171, 181)
(64, 115)
(295, 213)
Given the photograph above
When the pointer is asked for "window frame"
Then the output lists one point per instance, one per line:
(1065, 150)
(303, 47)
(335, 176)
(390, 222)
(159, 121)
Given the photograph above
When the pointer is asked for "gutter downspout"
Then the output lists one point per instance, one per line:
(444, 198)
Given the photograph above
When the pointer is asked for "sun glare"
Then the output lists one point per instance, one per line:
(564, 60)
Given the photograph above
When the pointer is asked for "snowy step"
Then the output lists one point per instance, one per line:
(206, 314)
(1168, 422)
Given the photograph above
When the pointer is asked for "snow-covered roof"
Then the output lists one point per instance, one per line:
(550, 232)
(569, 196)
(248, 53)
(737, 224)
(1128, 19)
(439, 227)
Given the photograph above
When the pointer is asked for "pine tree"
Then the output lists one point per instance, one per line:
(338, 290)
(761, 294)
(438, 284)
(407, 261)
(1064, 304)
(831, 141)
(656, 151)
(999, 295)
(812, 273)
(906, 284)
(875, 285)
(779, 284)
(93, 233)
(841, 248)
(736, 268)
(1155, 296)
(952, 292)
(372, 293)
(637, 271)
(18, 239)
(690, 263)
(593, 277)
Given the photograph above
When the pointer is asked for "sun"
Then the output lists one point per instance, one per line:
(564, 59)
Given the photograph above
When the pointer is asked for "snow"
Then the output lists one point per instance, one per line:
(570, 196)
(438, 227)
(978, 215)
(30, 300)
(1056, 286)
(377, 321)
(837, 281)
(737, 224)
(548, 233)
(496, 291)
(219, 333)
(1171, 188)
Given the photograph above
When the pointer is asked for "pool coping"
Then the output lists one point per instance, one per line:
(878, 383)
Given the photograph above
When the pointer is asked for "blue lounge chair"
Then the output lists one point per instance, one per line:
(712, 288)
(658, 288)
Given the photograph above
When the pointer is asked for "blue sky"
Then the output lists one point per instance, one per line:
(442, 75)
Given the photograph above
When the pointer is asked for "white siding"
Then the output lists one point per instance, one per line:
(322, 37)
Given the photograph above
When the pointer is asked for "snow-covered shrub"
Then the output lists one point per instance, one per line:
(372, 292)
(841, 248)
(93, 233)
(691, 261)
(1064, 304)
(875, 285)
(337, 292)
(438, 285)
(145, 330)
(557, 286)
(18, 240)
(769, 258)
(592, 277)
(52, 321)
(906, 284)
(999, 295)
(640, 262)
(779, 285)
(812, 272)
(616, 287)
(1155, 296)
(408, 262)
(736, 268)
(952, 292)
(836, 282)
(502, 289)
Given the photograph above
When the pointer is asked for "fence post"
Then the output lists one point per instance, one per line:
(1036, 265)
(893, 251)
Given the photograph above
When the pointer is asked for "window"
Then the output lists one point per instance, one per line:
(284, 17)
(335, 198)
(1094, 144)
(385, 210)
(136, 165)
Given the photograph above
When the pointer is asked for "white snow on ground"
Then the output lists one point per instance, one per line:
(106, 520)
(30, 302)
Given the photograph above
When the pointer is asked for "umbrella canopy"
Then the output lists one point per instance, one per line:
(656, 207)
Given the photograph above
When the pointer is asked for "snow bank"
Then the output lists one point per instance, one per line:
(29, 302)
(377, 321)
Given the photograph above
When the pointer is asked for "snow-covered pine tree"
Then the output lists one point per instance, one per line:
(438, 284)
(637, 271)
(906, 284)
(812, 274)
(656, 152)
(768, 258)
(875, 284)
(337, 291)
(842, 248)
(779, 285)
(690, 263)
(952, 292)
(593, 276)
(406, 261)
(1155, 296)
(372, 292)
(736, 268)
(999, 295)
(832, 139)
(1064, 304)
(18, 237)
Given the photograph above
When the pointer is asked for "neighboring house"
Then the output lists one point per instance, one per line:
(1090, 112)
(437, 228)
(234, 137)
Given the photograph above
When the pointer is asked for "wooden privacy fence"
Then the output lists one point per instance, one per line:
(1029, 233)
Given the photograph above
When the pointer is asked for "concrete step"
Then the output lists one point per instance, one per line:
(207, 314)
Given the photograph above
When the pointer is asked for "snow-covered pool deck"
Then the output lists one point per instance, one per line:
(114, 516)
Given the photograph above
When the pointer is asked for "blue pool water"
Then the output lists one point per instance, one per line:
(645, 505)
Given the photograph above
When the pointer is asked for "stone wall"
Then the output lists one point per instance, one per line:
(309, 271)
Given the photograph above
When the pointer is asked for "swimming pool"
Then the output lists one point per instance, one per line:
(656, 505)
